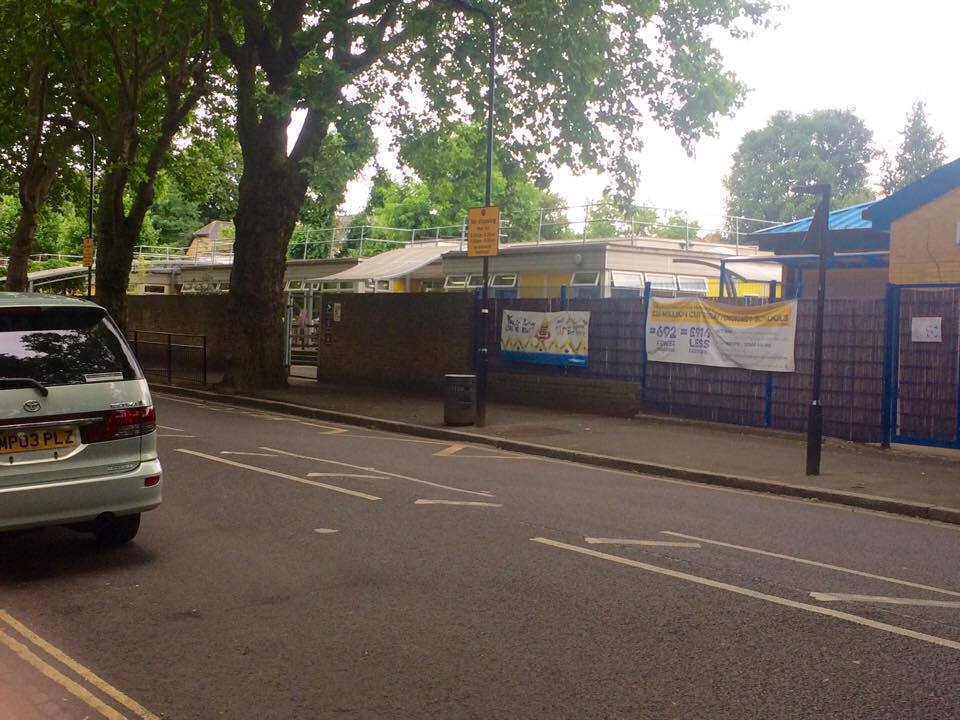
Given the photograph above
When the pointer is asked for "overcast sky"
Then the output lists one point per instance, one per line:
(874, 57)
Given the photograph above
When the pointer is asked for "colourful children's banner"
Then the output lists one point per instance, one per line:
(702, 332)
(552, 338)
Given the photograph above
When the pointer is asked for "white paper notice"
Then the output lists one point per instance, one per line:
(926, 329)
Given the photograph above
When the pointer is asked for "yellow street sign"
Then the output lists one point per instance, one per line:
(483, 231)
(88, 252)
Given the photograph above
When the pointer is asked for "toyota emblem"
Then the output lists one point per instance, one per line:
(32, 406)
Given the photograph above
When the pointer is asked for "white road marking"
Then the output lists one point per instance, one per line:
(326, 531)
(423, 501)
(167, 427)
(274, 473)
(168, 435)
(746, 592)
(646, 543)
(347, 475)
(845, 597)
(482, 493)
(252, 454)
(838, 568)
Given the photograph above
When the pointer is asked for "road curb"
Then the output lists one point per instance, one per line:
(859, 500)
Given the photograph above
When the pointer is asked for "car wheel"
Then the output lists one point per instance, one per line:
(117, 530)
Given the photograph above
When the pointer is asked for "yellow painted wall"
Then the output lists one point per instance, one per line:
(760, 289)
(923, 244)
(541, 285)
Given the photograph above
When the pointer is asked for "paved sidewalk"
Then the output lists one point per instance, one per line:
(913, 474)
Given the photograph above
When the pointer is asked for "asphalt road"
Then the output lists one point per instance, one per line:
(300, 569)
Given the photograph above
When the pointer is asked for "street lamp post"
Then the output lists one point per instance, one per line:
(483, 355)
(820, 232)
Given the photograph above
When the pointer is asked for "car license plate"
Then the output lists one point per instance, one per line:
(53, 438)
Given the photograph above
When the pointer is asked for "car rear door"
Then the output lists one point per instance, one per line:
(73, 402)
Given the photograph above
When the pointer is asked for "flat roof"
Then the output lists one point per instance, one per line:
(394, 263)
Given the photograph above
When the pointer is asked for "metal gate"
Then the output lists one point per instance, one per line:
(301, 328)
(922, 368)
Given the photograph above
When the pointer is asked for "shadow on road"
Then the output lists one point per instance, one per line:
(57, 552)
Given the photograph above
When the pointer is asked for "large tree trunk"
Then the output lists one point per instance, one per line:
(42, 164)
(271, 193)
(35, 186)
(114, 260)
(20, 245)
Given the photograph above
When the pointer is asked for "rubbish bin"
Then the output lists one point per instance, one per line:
(460, 399)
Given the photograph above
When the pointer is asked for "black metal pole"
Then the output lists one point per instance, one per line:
(93, 160)
(483, 351)
(819, 226)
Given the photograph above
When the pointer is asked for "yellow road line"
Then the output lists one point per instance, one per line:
(450, 450)
(59, 678)
(274, 473)
(774, 599)
(87, 674)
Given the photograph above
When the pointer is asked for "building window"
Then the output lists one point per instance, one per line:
(585, 279)
(155, 289)
(475, 281)
(504, 286)
(626, 284)
(662, 283)
(378, 285)
(692, 285)
(431, 285)
(455, 282)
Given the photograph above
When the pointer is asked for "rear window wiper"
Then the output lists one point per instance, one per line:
(24, 382)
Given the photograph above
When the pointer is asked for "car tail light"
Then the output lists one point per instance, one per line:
(120, 424)
(152, 481)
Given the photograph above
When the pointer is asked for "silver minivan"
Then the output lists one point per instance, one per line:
(78, 441)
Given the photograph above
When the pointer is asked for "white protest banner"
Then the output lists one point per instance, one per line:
(552, 338)
(702, 332)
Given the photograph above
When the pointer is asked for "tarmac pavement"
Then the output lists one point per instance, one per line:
(301, 568)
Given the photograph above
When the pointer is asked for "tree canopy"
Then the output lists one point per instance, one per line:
(577, 81)
(833, 146)
(446, 176)
(921, 151)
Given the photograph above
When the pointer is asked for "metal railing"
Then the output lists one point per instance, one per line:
(158, 354)
(677, 226)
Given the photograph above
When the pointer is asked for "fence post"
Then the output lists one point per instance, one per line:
(768, 383)
(203, 368)
(288, 335)
(169, 358)
(891, 299)
(647, 290)
(563, 297)
(136, 344)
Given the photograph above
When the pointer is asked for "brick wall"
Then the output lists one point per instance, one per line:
(397, 340)
(188, 314)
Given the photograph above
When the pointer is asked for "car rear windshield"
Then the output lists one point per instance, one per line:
(63, 346)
